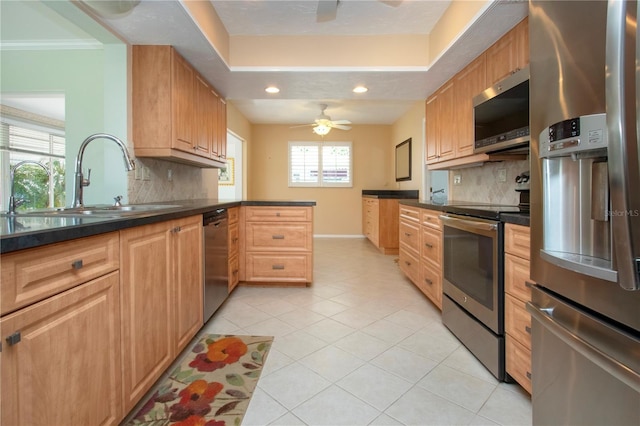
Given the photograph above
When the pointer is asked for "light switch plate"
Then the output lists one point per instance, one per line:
(138, 172)
(457, 179)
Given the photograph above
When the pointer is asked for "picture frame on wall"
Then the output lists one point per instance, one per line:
(227, 174)
(403, 161)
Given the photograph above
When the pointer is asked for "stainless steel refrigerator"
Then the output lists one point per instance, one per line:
(585, 212)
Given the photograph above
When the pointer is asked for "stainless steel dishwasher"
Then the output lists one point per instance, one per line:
(216, 276)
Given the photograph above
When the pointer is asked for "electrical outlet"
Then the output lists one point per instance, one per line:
(502, 175)
(146, 173)
(169, 175)
(138, 172)
(457, 179)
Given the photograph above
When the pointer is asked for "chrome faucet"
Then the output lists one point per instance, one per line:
(13, 203)
(80, 181)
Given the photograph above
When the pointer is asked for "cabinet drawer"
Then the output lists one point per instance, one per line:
(431, 284)
(517, 320)
(517, 240)
(516, 274)
(278, 214)
(410, 236)
(409, 264)
(233, 214)
(518, 362)
(34, 274)
(431, 218)
(410, 213)
(289, 267)
(280, 237)
(431, 246)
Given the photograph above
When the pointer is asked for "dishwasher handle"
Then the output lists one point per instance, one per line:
(214, 218)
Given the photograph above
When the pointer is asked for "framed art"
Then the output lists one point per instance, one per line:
(227, 174)
(403, 161)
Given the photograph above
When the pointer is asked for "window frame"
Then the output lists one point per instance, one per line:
(320, 182)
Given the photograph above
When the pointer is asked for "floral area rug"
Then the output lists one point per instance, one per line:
(211, 386)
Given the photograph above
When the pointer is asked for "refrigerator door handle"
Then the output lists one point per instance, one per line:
(621, 134)
(546, 317)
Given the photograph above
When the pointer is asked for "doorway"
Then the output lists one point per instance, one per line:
(231, 186)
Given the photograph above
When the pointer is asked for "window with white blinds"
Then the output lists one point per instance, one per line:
(327, 164)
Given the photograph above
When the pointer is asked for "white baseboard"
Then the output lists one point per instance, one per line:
(337, 236)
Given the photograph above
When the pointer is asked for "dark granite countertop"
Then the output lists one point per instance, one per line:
(475, 209)
(30, 230)
(516, 218)
(389, 193)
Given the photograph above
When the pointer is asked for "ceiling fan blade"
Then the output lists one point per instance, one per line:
(302, 125)
(341, 122)
(327, 10)
(340, 126)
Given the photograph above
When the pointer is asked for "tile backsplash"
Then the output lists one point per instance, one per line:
(187, 182)
(481, 184)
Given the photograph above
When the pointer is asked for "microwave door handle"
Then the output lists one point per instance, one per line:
(621, 134)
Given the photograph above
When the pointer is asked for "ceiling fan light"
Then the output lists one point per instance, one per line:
(360, 89)
(272, 89)
(321, 129)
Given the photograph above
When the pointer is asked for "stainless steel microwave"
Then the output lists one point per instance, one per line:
(501, 115)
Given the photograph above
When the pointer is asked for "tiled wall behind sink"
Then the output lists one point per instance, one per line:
(187, 182)
(481, 184)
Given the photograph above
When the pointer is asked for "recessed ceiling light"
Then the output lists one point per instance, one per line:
(360, 89)
(272, 89)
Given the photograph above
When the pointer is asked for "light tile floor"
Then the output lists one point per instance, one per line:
(362, 346)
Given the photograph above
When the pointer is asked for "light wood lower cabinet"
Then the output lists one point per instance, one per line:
(234, 247)
(161, 299)
(517, 293)
(380, 223)
(60, 361)
(421, 250)
(276, 244)
(66, 369)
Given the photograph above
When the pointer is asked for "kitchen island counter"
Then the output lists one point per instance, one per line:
(23, 231)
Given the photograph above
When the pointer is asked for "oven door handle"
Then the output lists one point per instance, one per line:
(467, 225)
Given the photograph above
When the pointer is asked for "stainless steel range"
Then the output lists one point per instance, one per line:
(473, 279)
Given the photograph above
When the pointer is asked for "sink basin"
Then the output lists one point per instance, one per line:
(100, 210)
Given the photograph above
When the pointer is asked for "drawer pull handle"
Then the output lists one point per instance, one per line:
(278, 237)
(528, 375)
(77, 264)
(277, 267)
(527, 329)
(428, 281)
(407, 234)
(278, 214)
(428, 245)
(407, 263)
(14, 338)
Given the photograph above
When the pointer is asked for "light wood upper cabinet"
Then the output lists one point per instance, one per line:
(440, 127)
(450, 130)
(66, 368)
(176, 115)
(469, 82)
(508, 54)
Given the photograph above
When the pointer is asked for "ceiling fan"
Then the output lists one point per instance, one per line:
(327, 9)
(323, 123)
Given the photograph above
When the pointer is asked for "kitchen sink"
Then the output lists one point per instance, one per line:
(100, 210)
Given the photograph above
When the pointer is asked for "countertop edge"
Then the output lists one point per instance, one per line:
(26, 240)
